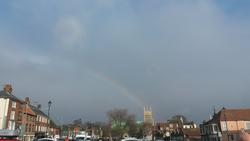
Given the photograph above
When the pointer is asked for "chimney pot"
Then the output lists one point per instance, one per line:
(27, 100)
(8, 88)
(39, 106)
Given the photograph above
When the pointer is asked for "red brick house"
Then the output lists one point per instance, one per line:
(29, 120)
(10, 109)
(190, 134)
(225, 125)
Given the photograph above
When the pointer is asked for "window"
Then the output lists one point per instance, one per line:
(210, 129)
(13, 105)
(19, 118)
(11, 125)
(29, 127)
(171, 125)
(247, 125)
(224, 126)
(26, 128)
(12, 115)
(215, 128)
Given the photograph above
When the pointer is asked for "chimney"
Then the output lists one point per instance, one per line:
(39, 106)
(8, 88)
(27, 100)
(181, 119)
(210, 117)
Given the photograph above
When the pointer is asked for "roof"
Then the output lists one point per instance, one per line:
(192, 132)
(29, 110)
(234, 114)
(173, 121)
(189, 123)
(3, 94)
(53, 124)
(161, 124)
(230, 115)
(38, 111)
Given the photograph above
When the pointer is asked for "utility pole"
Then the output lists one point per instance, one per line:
(48, 126)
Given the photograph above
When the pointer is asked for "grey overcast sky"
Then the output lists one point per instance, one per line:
(180, 57)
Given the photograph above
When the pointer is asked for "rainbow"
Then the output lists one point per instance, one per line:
(123, 90)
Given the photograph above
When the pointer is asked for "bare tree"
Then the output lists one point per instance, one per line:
(117, 116)
(147, 129)
(121, 122)
(131, 124)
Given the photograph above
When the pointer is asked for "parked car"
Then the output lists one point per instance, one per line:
(83, 138)
(130, 139)
(80, 139)
(45, 139)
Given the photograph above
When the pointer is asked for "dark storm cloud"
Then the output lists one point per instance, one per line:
(88, 57)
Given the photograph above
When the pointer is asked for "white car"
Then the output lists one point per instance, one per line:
(45, 139)
(83, 138)
(130, 139)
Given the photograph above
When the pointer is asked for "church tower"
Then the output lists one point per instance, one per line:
(148, 115)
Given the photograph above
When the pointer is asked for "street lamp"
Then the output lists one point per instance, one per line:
(49, 105)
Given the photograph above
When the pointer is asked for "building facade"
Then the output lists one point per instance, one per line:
(190, 134)
(176, 129)
(189, 125)
(10, 109)
(28, 120)
(226, 125)
(42, 122)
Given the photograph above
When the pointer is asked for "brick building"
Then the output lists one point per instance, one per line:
(187, 134)
(225, 125)
(10, 109)
(42, 121)
(29, 120)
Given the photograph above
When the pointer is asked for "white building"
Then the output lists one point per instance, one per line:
(4, 106)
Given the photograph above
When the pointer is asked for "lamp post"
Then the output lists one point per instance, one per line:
(49, 105)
